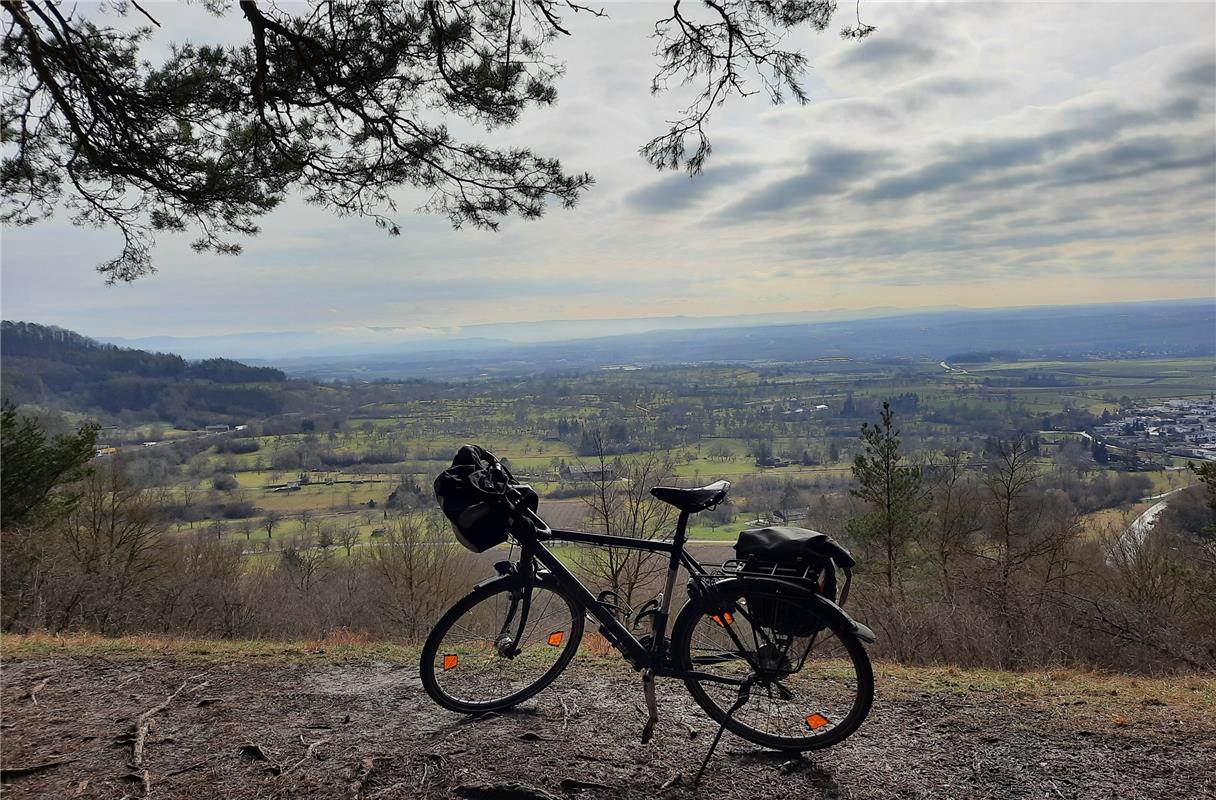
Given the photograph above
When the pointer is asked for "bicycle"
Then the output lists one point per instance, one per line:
(761, 650)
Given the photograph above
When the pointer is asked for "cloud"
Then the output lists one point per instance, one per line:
(964, 162)
(897, 106)
(829, 170)
(925, 92)
(678, 191)
(883, 56)
(1135, 158)
(949, 150)
(1200, 73)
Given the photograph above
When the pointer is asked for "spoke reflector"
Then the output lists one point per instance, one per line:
(816, 721)
(555, 639)
(449, 662)
(723, 619)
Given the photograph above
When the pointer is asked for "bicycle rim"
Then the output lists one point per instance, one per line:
(479, 658)
(810, 685)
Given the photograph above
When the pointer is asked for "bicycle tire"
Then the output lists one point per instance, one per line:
(433, 649)
(691, 618)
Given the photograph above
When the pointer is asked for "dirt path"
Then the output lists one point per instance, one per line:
(366, 730)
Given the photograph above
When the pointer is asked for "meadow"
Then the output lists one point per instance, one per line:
(766, 425)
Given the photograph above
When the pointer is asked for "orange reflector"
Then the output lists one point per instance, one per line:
(723, 619)
(555, 639)
(816, 721)
(449, 662)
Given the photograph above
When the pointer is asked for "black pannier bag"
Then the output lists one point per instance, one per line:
(473, 494)
(797, 554)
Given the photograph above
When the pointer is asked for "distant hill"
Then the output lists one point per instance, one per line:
(58, 368)
(1118, 330)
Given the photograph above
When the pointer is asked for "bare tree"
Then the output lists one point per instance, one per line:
(109, 545)
(303, 561)
(1028, 532)
(415, 565)
(270, 521)
(622, 506)
(955, 517)
(188, 492)
(348, 537)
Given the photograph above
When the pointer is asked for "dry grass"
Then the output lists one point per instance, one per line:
(336, 646)
(1114, 692)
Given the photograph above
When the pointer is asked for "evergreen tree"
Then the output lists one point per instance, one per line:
(894, 492)
(1206, 473)
(33, 468)
(346, 103)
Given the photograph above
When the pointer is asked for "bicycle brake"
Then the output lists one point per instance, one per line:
(652, 708)
(609, 599)
(649, 609)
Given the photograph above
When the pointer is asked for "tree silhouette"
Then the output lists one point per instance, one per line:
(345, 103)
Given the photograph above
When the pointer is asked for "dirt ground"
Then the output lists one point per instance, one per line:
(268, 728)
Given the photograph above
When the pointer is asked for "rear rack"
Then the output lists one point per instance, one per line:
(776, 569)
(807, 573)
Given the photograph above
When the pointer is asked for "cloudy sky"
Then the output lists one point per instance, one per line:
(966, 154)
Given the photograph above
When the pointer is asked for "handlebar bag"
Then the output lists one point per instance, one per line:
(480, 497)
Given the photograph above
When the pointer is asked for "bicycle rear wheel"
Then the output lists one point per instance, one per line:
(484, 655)
(809, 682)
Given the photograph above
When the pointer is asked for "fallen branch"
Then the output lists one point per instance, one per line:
(10, 773)
(576, 785)
(502, 791)
(144, 723)
(32, 694)
(190, 768)
(312, 746)
(367, 766)
(386, 791)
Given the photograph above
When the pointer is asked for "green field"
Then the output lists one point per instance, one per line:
(708, 421)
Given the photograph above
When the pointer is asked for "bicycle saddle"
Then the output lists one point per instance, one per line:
(692, 500)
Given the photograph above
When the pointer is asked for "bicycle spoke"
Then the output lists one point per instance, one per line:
(806, 682)
(485, 656)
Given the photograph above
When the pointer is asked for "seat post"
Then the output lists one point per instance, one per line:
(681, 528)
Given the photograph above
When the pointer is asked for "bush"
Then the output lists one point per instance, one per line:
(238, 446)
(224, 483)
(239, 510)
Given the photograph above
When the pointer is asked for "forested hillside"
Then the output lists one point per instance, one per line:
(57, 368)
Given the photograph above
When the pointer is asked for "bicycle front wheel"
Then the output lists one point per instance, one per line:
(793, 682)
(500, 645)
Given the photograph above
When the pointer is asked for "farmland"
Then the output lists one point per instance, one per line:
(764, 427)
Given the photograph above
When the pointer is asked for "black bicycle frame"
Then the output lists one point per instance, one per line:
(613, 629)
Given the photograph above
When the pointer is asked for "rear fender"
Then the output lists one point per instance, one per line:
(823, 607)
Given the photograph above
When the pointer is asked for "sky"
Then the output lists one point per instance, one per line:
(967, 154)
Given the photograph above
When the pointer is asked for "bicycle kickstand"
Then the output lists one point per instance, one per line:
(745, 693)
(652, 708)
